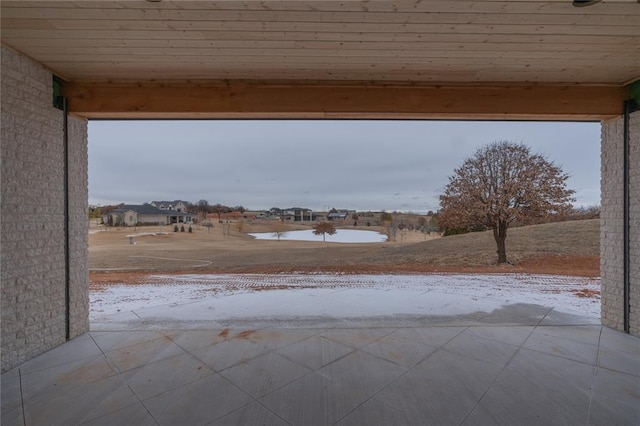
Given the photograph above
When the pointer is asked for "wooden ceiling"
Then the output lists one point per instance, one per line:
(435, 42)
(431, 41)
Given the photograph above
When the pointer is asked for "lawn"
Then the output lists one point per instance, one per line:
(564, 248)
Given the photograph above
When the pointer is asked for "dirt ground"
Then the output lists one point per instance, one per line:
(565, 248)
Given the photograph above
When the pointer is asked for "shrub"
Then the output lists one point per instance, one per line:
(182, 228)
(463, 230)
(175, 228)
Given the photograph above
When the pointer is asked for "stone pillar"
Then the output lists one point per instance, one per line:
(611, 223)
(32, 211)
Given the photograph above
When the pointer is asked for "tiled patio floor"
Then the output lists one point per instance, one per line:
(521, 365)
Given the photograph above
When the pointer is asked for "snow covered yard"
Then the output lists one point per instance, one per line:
(350, 295)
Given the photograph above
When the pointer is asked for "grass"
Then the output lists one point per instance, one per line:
(570, 248)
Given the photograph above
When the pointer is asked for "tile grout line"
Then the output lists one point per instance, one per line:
(400, 376)
(311, 371)
(595, 374)
(253, 399)
(516, 353)
(119, 374)
(275, 351)
(111, 364)
(349, 353)
(502, 371)
(541, 319)
(271, 411)
(24, 417)
(244, 406)
(478, 359)
(223, 377)
(363, 348)
(84, 361)
(564, 357)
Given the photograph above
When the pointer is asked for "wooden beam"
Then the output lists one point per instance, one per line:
(277, 99)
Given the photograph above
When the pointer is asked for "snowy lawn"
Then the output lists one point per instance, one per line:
(444, 294)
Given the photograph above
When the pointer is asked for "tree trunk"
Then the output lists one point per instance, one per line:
(500, 235)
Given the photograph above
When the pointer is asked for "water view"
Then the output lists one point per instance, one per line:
(341, 236)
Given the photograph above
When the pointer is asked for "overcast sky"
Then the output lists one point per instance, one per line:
(362, 165)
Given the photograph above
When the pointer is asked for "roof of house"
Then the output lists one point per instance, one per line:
(298, 208)
(169, 202)
(140, 209)
(338, 214)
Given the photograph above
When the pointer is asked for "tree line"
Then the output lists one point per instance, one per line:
(203, 208)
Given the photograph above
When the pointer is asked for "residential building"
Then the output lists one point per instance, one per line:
(338, 216)
(177, 205)
(145, 214)
(293, 214)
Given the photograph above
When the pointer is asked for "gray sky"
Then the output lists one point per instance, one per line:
(363, 165)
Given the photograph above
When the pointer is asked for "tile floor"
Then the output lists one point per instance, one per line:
(522, 365)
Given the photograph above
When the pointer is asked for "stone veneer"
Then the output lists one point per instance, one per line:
(32, 212)
(611, 223)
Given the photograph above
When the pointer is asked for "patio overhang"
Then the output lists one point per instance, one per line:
(343, 100)
(531, 60)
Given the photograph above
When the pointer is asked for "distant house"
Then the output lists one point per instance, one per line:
(338, 216)
(178, 216)
(299, 214)
(133, 214)
(176, 209)
(177, 205)
(293, 214)
(145, 214)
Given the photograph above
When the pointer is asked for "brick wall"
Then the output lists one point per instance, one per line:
(611, 239)
(634, 245)
(32, 214)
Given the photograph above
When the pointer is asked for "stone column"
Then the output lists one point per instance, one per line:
(32, 210)
(611, 223)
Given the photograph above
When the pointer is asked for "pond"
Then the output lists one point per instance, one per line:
(341, 236)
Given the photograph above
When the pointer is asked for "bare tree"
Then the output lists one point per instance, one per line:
(403, 230)
(219, 209)
(324, 228)
(501, 183)
(203, 207)
(226, 229)
(208, 225)
(389, 225)
(279, 228)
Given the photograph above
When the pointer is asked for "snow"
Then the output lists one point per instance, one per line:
(341, 236)
(238, 296)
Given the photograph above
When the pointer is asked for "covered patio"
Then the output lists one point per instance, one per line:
(64, 63)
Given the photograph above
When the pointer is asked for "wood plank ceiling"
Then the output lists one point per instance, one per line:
(347, 58)
(439, 41)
